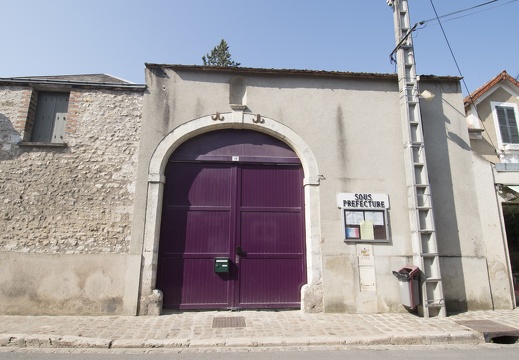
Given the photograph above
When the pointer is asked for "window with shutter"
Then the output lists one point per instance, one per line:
(50, 117)
(507, 124)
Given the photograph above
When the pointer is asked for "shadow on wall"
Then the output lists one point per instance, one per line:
(481, 146)
(439, 158)
(10, 140)
(458, 140)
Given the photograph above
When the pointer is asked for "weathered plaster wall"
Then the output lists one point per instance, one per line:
(66, 212)
(44, 284)
(461, 244)
(493, 233)
(352, 127)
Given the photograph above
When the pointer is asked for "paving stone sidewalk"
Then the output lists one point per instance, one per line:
(261, 329)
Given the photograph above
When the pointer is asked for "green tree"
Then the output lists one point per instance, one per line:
(220, 56)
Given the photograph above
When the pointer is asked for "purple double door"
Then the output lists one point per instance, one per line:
(251, 214)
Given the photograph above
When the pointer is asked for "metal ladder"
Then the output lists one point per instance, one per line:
(425, 250)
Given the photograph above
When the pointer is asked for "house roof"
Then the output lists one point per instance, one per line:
(323, 73)
(501, 78)
(83, 80)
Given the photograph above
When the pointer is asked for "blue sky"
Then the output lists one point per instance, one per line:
(57, 37)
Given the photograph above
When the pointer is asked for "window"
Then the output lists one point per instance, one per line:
(505, 117)
(507, 124)
(50, 117)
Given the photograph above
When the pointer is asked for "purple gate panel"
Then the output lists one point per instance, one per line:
(273, 282)
(247, 145)
(271, 232)
(271, 270)
(195, 232)
(271, 186)
(191, 283)
(196, 228)
(201, 287)
(169, 280)
(198, 185)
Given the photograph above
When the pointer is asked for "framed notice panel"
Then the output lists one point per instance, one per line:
(364, 216)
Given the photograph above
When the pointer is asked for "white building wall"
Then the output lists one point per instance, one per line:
(352, 127)
(493, 233)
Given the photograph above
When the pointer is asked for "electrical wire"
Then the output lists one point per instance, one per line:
(424, 23)
(449, 45)
(461, 74)
(457, 12)
(468, 9)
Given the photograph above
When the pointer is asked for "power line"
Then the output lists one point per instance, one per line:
(449, 45)
(459, 70)
(437, 18)
(456, 12)
(464, 10)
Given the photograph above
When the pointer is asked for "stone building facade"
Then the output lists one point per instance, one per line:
(346, 130)
(67, 205)
(141, 198)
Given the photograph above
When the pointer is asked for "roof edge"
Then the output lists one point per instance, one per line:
(501, 77)
(28, 81)
(295, 72)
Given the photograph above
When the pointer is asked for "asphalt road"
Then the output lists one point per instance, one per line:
(401, 353)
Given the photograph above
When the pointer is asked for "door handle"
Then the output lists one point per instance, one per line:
(239, 251)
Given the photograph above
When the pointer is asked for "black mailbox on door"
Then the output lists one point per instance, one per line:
(221, 265)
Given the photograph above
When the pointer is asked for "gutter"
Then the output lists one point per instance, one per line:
(79, 84)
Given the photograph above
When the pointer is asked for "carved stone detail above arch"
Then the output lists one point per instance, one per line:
(237, 92)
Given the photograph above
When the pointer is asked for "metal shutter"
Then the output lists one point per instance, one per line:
(49, 121)
(507, 125)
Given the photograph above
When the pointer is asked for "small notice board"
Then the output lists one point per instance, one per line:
(364, 216)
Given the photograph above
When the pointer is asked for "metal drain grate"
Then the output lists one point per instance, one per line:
(226, 322)
(490, 329)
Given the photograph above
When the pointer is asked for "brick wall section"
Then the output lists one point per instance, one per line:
(31, 115)
(23, 110)
(26, 112)
(76, 199)
(73, 111)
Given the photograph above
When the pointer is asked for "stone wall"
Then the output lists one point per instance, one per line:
(76, 198)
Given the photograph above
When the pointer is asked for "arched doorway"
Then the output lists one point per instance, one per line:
(232, 229)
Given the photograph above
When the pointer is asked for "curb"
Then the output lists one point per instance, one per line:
(52, 341)
(411, 338)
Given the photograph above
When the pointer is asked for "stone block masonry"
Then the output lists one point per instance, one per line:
(73, 199)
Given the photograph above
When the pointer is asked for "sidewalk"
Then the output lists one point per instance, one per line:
(243, 329)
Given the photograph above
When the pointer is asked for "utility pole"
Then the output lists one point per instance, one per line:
(423, 233)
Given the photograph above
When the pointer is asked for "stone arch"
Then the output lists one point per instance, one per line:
(311, 297)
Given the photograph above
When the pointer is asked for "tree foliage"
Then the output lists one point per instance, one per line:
(220, 56)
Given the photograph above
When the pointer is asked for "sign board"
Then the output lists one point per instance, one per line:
(362, 200)
(364, 216)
